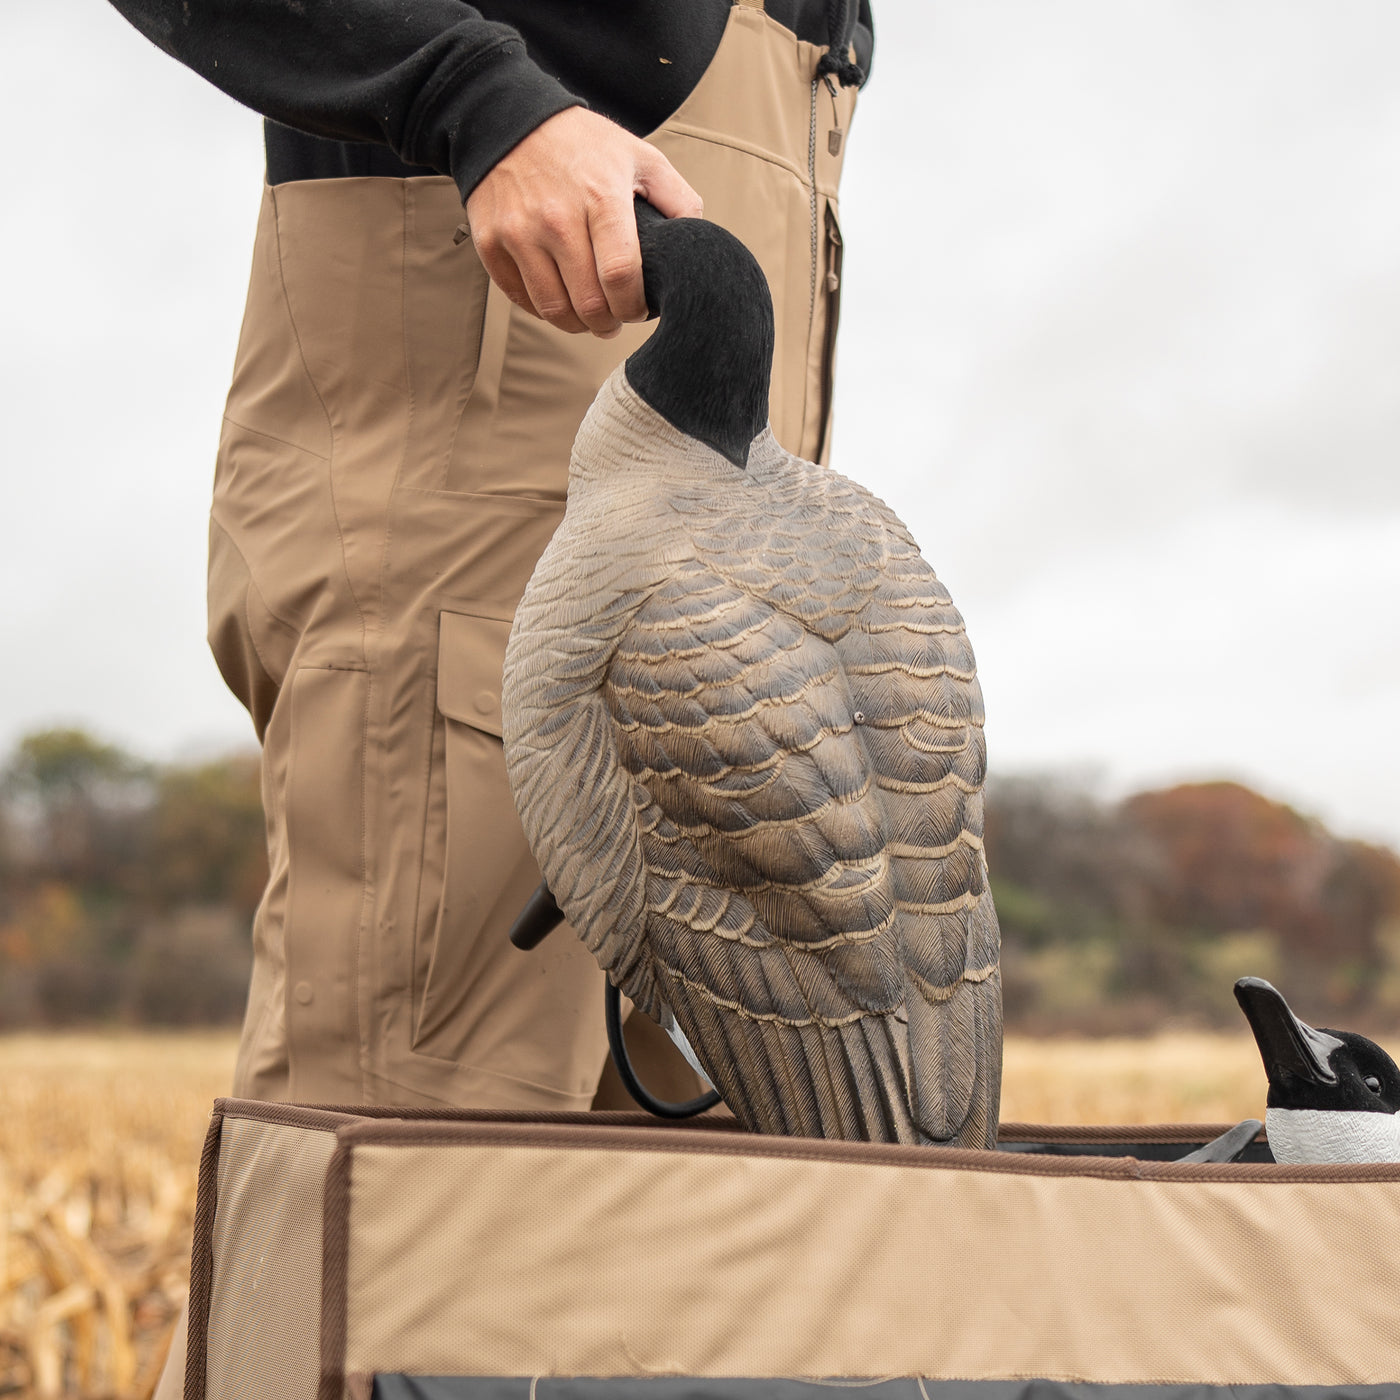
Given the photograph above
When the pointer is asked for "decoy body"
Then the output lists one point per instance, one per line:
(1334, 1096)
(743, 730)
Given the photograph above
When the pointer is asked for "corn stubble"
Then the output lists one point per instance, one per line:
(99, 1143)
(100, 1138)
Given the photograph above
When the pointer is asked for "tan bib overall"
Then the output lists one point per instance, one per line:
(393, 461)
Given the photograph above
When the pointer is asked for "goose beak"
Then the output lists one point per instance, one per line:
(1287, 1045)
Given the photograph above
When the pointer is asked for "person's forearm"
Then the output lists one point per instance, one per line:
(431, 79)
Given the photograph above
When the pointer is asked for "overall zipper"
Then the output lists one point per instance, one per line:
(833, 145)
(812, 190)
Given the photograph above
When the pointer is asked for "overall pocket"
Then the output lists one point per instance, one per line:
(485, 859)
(532, 1018)
(829, 297)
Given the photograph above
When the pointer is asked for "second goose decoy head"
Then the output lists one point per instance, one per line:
(1334, 1096)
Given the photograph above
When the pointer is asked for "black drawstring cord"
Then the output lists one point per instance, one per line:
(834, 61)
(846, 73)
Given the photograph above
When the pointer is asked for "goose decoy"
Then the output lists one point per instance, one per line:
(1333, 1095)
(744, 733)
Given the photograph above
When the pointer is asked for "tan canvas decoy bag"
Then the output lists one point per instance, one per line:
(460, 1256)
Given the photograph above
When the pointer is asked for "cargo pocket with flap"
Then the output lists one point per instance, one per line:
(480, 1001)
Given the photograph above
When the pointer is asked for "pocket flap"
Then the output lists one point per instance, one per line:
(471, 657)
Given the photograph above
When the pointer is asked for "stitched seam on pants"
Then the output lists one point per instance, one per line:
(748, 148)
(330, 427)
(404, 196)
(735, 143)
(368, 886)
(354, 598)
(366, 883)
(272, 437)
(414, 997)
(369, 911)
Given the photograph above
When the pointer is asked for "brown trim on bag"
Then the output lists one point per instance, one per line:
(202, 1259)
(291, 1115)
(335, 1269)
(404, 1132)
(330, 1117)
(715, 1134)
(1079, 1133)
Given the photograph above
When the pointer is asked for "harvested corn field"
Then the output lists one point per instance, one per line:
(100, 1137)
(99, 1142)
(1183, 1077)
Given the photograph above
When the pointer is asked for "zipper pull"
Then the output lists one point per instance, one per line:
(833, 137)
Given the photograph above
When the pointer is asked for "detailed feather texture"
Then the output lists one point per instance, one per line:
(744, 732)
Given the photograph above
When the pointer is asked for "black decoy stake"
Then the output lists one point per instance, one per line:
(535, 922)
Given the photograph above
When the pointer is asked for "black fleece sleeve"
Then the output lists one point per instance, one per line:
(431, 79)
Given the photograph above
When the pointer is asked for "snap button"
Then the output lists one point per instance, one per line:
(485, 702)
(303, 993)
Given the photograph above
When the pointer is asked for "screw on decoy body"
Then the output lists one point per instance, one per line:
(1334, 1096)
(806, 895)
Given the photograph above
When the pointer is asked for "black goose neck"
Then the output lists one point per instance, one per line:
(707, 367)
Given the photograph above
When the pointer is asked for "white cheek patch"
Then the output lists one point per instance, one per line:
(1312, 1135)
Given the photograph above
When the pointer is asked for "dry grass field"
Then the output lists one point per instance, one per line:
(100, 1136)
(1183, 1077)
(99, 1141)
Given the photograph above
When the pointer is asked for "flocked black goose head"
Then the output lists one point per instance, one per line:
(708, 367)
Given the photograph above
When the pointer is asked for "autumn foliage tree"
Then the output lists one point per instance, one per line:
(127, 893)
(1131, 916)
(1238, 861)
(126, 888)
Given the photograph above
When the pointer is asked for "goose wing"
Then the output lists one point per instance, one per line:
(769, 894)
(836, 557)
(912, 675)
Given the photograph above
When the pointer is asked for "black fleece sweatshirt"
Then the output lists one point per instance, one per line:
(402, 87)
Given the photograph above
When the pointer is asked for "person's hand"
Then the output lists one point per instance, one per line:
(554, 225)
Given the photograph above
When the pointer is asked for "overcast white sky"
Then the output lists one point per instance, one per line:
(1120, 340)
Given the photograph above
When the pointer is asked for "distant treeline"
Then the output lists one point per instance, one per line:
(127, 892)
(127, 888)
(1131, 916)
